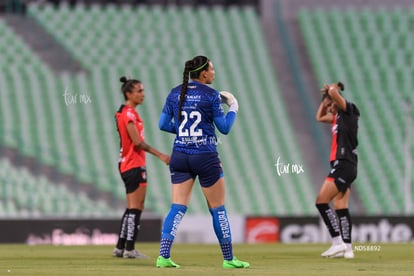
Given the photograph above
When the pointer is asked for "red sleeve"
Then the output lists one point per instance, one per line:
(129, 117)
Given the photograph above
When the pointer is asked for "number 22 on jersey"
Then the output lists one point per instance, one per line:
(195, 118)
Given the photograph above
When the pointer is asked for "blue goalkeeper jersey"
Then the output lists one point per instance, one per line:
(195, 132)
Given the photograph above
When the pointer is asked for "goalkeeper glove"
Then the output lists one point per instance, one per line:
(229, 99)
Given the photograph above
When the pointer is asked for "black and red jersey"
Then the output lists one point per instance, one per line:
(344, 134)
(130, 156)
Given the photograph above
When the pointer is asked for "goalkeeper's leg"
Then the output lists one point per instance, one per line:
(215, 198)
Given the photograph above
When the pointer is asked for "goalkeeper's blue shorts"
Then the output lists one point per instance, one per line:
(207, 166)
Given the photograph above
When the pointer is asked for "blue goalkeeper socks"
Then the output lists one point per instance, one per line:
(222, 229)
(169, 228)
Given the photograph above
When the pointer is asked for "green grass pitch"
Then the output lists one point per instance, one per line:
(200, 259)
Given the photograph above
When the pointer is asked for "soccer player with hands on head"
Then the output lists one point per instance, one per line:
(192, 111)
(343, 116)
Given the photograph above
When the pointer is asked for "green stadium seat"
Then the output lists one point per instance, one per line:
(89, 152)
(44, 199)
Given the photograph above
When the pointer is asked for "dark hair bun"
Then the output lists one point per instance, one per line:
(341, 85)
(189, 64)
(123, 79)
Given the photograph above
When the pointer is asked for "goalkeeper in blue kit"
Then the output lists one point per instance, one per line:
(192, 111)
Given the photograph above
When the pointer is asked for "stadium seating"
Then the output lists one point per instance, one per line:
(152, 43)
(24, 195)
(371, 52)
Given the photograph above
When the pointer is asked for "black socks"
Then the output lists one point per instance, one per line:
(133, 220)
(329, 218)
(122, 231)
(129, 229)
(345, 223)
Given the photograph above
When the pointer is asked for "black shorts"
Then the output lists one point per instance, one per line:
(134, 178)
(343, 173)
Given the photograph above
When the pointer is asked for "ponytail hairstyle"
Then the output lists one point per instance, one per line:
(127, 85)
(192, 69)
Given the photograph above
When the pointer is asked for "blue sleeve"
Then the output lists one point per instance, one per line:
(218, 110)
(224, 123)
(165, 123)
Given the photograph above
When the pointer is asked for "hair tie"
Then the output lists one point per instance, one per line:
(198, 68)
